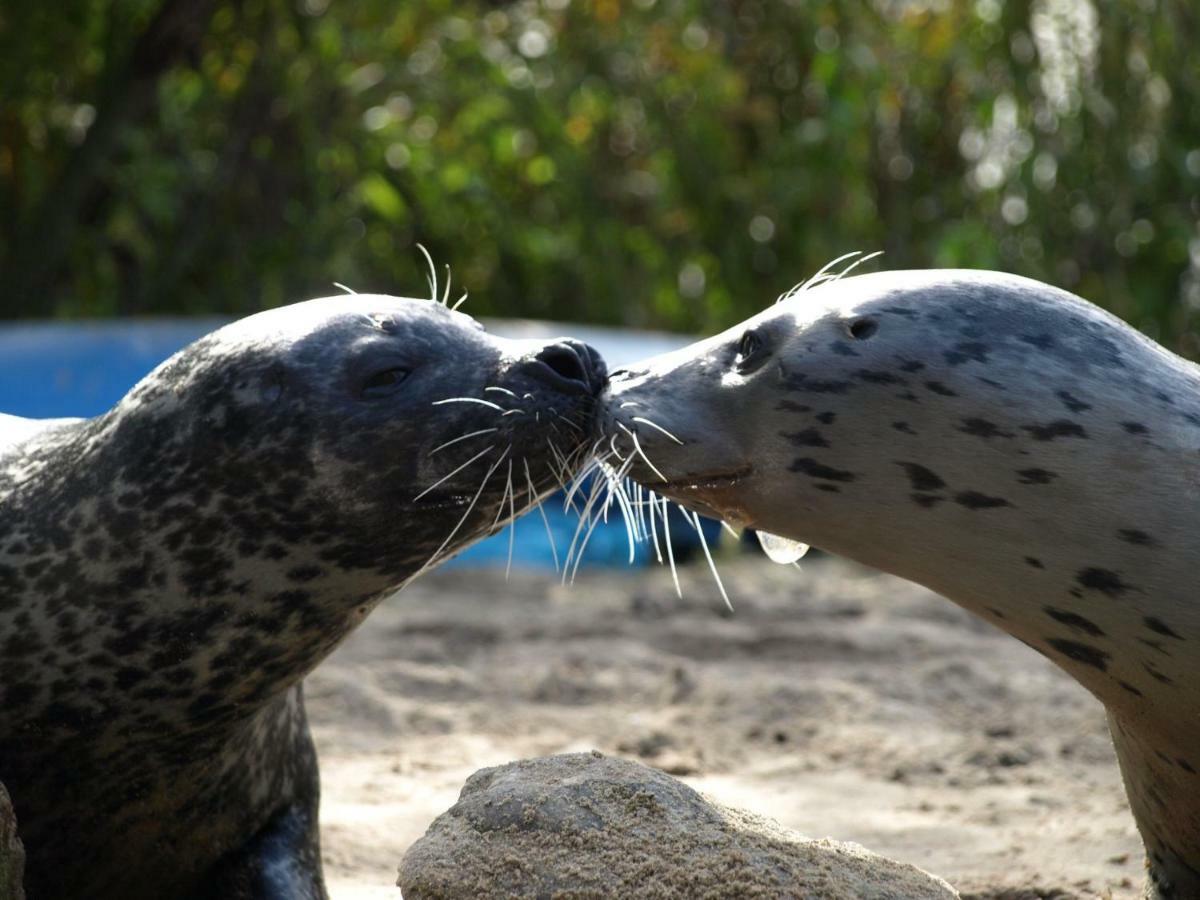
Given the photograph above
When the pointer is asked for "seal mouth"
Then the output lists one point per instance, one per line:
(700, 483)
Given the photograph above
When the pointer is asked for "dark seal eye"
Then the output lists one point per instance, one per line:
(383, 384)
(861, 329)
(751, 350)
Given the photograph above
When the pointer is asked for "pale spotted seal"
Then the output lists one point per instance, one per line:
(1005, 443)
(170, 571)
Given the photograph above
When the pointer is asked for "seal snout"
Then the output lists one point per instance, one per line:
(571, 364)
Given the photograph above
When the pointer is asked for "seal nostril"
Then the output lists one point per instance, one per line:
(565, 361)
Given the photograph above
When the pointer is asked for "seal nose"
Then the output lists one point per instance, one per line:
(575, 362)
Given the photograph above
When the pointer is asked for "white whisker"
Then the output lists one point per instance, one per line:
(461, 300)
(469, 400)
(512, 521)
(470, 507)
(501, 390)
(342, 287)
(708, 555)
(854, 265)
(638, 448)
(666, 512)
(540, 504)
(462, 437)
(653, 527)
(444, 478)
(431, 275)
(657, 427)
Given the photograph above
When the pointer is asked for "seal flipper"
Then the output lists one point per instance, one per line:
(281, 862)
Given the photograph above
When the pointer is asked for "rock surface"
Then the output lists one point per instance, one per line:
(12, 854)
(586, 825)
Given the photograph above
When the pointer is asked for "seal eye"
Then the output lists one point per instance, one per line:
(383, 384)
(861, 329)
(750, 347)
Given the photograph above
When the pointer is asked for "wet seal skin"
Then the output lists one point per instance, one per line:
(171, 570)
(1008, 445)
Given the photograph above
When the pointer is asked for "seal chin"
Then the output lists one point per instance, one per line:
(718, 493)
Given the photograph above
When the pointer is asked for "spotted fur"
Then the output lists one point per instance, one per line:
(170, 571)
(1043, 472)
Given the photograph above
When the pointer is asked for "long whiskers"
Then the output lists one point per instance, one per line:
(445, 478)
(657, 427)
(462, 437)
(487, 403)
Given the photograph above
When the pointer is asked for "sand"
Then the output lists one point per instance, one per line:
(840, 702)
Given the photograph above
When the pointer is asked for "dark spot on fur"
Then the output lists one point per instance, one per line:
(801, 382)
(926, 501)
(921, 478)
(1034, 562)
(814, 469)
(876, 377)
(793, 406)
(938, 388)
(305, 573)
(1041, 341)
(1155, 646)
(826, 418)
(997, 613)
(1081, 653)
(967, 351)
(1072, 403)
(982, 428)
(809, 437)
(1157, 675)
(1136, 536)
(1129, 687)
(1105, 581)
(1074, 621)
(1036, 476)
(912, 365)
(903, 427)
(828, 488)
(1158, 626)
(1052, 430)
(841, 348)
(1135, 428)
(976, 500)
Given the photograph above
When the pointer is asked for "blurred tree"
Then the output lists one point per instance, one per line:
(655, 163)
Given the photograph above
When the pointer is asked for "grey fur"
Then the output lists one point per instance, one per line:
(170, 571)
(1005, 443)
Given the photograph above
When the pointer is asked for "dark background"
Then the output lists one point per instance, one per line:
(654, 163)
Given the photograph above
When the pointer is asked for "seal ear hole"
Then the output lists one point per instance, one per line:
(861, 329)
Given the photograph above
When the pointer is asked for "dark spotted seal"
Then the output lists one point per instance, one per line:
(171, 570)
(1005, 443)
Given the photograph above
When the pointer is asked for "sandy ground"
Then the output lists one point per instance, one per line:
(841, 702)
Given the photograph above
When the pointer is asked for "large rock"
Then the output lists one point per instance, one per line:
(12, 854)
(586, 825)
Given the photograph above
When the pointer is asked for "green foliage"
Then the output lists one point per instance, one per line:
(671, 163)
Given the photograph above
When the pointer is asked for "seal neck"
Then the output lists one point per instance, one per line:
(1161, 784)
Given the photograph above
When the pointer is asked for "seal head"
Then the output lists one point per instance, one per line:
(1005, 443)
(170, 570)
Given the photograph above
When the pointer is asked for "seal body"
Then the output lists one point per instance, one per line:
(170, 571)
(1005, 443)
